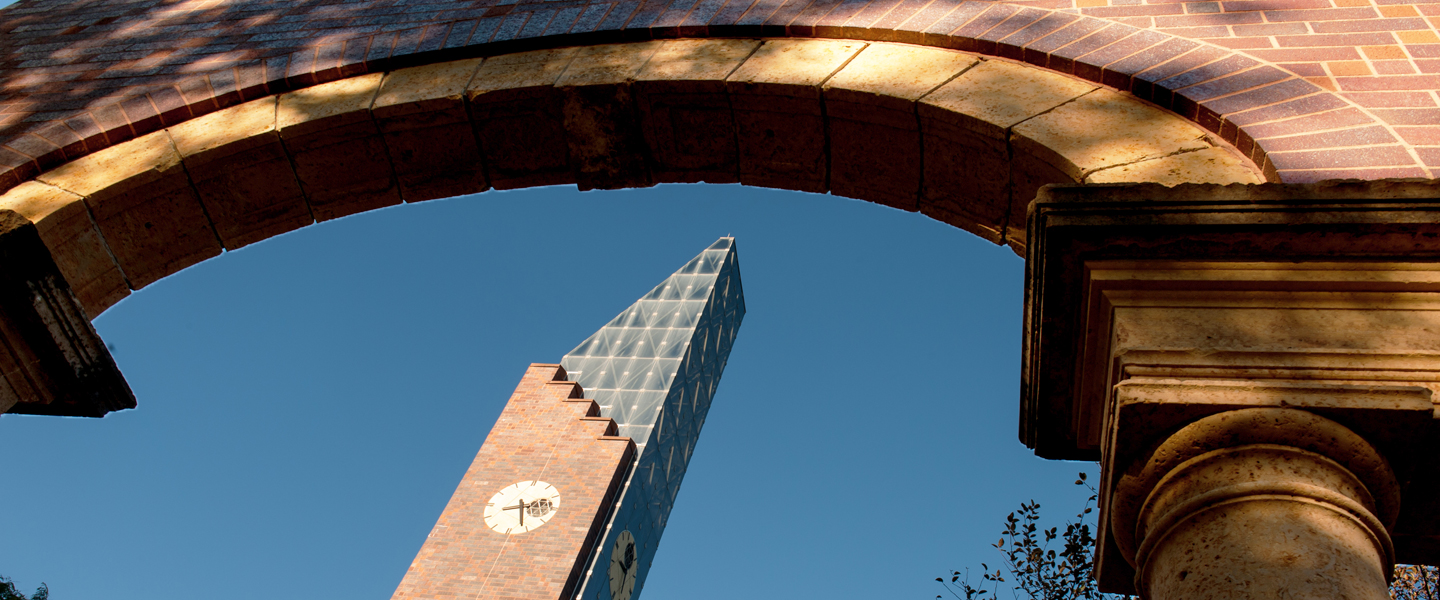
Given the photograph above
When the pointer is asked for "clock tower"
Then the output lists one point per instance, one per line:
(571, 491)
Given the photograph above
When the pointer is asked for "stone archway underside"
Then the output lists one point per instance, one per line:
(961, 138)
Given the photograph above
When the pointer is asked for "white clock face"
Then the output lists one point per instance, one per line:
(623, 565)
(522, 507)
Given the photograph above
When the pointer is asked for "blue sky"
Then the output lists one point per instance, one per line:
(307, 404)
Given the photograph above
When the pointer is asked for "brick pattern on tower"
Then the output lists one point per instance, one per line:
(547, 432)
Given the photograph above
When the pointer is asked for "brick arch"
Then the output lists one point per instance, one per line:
(956, 136)
(83, 76)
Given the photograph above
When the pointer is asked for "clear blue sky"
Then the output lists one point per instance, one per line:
(307, 404)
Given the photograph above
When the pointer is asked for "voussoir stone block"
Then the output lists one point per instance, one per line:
(336, 147)
(872, 76)
(144, 206)
(966, 179)
(1100, 129)
(779, 120)
(75, 244)
(1080, 136)
(967, 123)
(996, 95)
(609, 64)
(871, 104)
(685, 112)
(518, 117)
(1212, 165)
(1027, 175)
(602, 122)
(242, 173)
(421, 113)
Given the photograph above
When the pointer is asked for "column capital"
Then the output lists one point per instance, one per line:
(1133, 243)
(1150, 308)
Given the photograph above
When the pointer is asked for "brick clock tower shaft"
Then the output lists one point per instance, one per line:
(571, 491)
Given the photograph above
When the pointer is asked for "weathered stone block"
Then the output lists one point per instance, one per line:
(996, 95)
(778, 116)
(858, 166)
(691, 136)
(695, 61)
(685, 113)
(336, 147)
(870, 104)
(782, 142)
(967, 179)
(75, 244)
(518, 116)
(1027, 175)
(143, 205)
(1080, 136)
(602, 122)
(421, 112)
(610, 64)
(242, 173)
(791, 67)
(1212, 165)
(875, 76)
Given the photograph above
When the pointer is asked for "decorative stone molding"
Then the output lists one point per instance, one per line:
(1100, 253)
(1149, 309)
(51, 360)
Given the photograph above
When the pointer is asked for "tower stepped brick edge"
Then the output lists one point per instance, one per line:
(547, 432)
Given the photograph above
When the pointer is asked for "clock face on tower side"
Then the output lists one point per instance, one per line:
(522, 507)
(623, 565)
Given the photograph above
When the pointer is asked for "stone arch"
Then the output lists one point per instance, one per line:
(52, 116)
(962, 138)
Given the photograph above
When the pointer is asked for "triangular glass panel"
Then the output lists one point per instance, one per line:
(652, 369)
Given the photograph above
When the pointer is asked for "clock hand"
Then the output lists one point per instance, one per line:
(520, 506)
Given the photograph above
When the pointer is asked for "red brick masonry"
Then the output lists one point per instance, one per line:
(1311, 89)
(547, 432)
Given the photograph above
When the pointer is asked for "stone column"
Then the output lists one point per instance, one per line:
(1259, 503)
(1252, 366)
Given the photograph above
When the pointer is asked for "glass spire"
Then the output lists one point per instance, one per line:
(654, 369)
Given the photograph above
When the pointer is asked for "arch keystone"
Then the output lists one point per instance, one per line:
(602, 124)
(518, 118)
